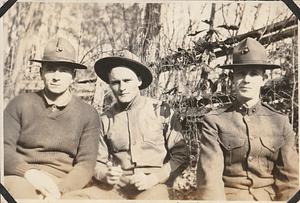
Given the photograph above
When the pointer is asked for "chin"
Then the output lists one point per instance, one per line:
(124, 101)
(57, 92)
(247, 96)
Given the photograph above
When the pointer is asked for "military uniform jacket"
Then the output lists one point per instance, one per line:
(247, 151)
(146, 137)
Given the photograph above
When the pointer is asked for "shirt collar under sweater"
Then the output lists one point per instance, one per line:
(56, 111)
(63, 101)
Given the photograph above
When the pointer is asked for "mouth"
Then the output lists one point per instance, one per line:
(244, 88)
(55, 85)
(123, 94)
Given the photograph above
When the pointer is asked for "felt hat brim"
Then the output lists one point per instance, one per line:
(103, 67)
(65, 63)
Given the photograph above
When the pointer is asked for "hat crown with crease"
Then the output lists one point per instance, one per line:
(127, 54)
(60, 50)
(250, 53)
(123, 58)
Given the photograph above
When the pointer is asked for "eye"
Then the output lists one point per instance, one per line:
(239, 73)
(127, 80)
(64, 69)
(114, 82)
(254, 73)
(50, 69)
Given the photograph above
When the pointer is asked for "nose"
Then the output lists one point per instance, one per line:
(247, 77)
(56, 75)
(122, 86)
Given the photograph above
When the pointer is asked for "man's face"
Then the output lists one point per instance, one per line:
(124, 84)
(57, 78)
(247, 82)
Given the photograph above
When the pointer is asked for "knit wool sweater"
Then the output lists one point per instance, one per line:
(63, 143)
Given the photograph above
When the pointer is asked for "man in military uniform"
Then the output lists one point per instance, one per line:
(247, 150)
(141, 143)
(50, 136)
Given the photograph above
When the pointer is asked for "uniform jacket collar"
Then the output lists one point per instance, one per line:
(137, 101)
(258, 109)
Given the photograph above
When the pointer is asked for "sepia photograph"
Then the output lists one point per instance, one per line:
(149, 100)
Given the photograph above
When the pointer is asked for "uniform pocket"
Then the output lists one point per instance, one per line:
(153, 134)
(233, 148)
(272, 144)
(230, 142)
(153, 139)
(269, 152)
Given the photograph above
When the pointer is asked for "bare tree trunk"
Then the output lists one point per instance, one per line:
(212, 16)
(134, 26)
(258, 7)
(98, 95)
(294, 77)
(20, 56)
(152, 27)
(151, 41)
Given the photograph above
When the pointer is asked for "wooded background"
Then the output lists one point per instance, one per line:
(182, 42)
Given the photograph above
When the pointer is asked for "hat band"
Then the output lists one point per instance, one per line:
(55, 58)
(258, 62)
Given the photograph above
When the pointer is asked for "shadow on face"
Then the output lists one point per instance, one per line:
(57, 78)
(124, 84)
(248, 81)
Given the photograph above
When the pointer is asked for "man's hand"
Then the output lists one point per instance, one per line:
(144, 182)
(43, 183)
(113, 174)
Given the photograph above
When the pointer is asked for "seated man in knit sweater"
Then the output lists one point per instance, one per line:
(50, 137)
(141, 143)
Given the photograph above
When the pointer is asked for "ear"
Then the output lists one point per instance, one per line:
(264, 82)
(264, 78)
(43, 65)
(140, 81)
(74, 74)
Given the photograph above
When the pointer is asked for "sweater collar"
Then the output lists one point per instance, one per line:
(62, 101)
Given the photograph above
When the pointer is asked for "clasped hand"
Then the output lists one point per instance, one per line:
(143, 181)
(140, 180)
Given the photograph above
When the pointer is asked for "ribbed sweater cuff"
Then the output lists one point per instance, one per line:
(76, 179)
(22, 168)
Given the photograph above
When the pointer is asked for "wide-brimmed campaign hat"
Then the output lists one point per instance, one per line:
(60, 51)
(126, 59)
(249, 53)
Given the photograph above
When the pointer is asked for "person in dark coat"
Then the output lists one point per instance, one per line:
(247, 150)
